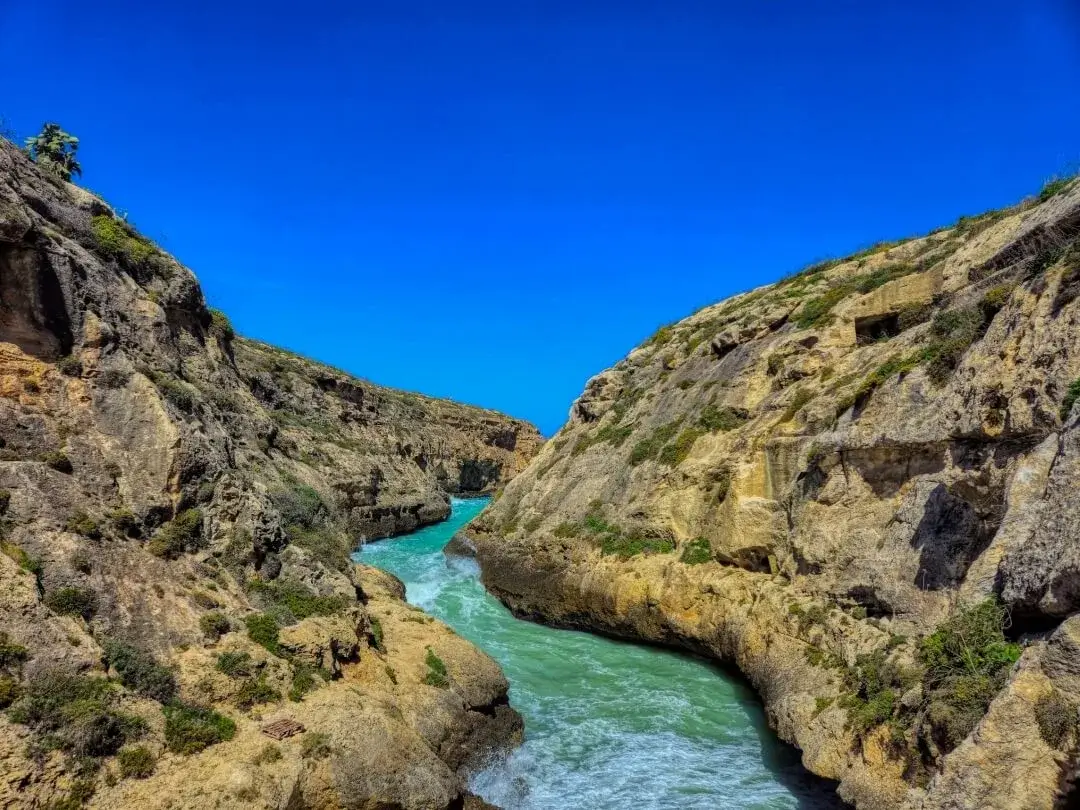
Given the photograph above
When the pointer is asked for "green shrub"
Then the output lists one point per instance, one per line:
(235, 664)
(72, 601)
(221, 326)
(82, 523)
(5, 500)
(650, 448)
(303, 681)
(696, 551)
(69, 366)
(612, 434)
(263, 629)
(73, 713)
(436, 670)
(818, 311)
(58, 460)
(953, 332)
(140, 672)
(214, 625)
(22, 559)
(117, 240)
(1071, 395)
(721, 419)
(182, 533)
(623, 546)
(566, 529)
(966, 662)
(328, 545)
(300, 505)
(1056, 717)
(995, 299)
(376, 635)
(913, 315)
(254, 691)
(315, 745)
(802, 396)
(9, 691)
(136, 763)
(297, 598)
(11, 654)
(181, 394)
(190, 729)
(1054, 187)
(677, 452)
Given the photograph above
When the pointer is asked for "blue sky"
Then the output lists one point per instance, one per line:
(492, 201)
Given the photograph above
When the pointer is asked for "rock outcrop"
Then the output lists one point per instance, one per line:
(177, 509)
(860, 486)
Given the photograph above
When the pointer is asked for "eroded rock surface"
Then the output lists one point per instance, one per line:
(809, 479)
(189, 498)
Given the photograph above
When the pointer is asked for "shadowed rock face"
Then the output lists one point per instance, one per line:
(155, 469)
(845, 457)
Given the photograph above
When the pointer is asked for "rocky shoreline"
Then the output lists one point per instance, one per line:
(857, 485)
(177, 509)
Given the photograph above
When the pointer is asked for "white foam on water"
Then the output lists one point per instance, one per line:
(607, 725)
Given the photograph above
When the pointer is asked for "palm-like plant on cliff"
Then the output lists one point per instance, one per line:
(54, 150)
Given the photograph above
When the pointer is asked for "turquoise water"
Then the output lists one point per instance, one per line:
(607, 724)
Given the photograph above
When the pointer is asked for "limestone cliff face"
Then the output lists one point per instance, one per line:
(810, 478)
(162, 484)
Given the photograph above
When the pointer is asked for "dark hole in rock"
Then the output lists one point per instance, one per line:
(877, 327)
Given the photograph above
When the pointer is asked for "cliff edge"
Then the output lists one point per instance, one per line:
(177, 510)
(860, 486)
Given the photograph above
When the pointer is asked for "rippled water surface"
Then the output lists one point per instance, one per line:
(607, 724)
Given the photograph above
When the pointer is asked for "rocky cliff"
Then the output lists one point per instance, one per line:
(178, 506)
(860, 486)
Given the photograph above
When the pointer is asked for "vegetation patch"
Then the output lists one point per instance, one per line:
(376, 634)
(214, 625)
(650, 448)
(308, 524)
(118, 240)
(722, 418)
(181, 534)
(235, 664)
(801, 397)
(190, 729)
(1056, 717)
(1071, 395)
(304, 681)
(1054, 187)
(696, 552)
(254, 691)
(966, 660)
(74, 713)
(612, 434)
(72, 601)
(140, 672)
(436, 670)
(81, 523)
(295, 597)
(137, 762)
(263, 630)
(221, 326)
(678, 451)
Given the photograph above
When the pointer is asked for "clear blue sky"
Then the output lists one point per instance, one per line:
(492, 201)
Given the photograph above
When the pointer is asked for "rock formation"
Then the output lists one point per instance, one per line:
(860, 486)
(178, 506)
